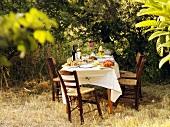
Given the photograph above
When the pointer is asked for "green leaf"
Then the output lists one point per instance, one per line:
(164, 60)
(164, 23)
(159, 49)
(147, 23)
(22, 50)
(145, 11)
(49, 37)
(4, 61)
(29, 18)
(157, 34)
(167, 44)
(23, 22)
(33, 11)
(151, 11)
(43, 36)
(168, 7)
(53, 23)
(153, 4)
(34, 20)
(152, 29)
(40, 35)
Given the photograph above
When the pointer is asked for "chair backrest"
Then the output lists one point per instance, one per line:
(139, 73)
(67, 78)
(51, 64)
(138, 60)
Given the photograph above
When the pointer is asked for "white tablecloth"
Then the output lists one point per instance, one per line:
(107, 78)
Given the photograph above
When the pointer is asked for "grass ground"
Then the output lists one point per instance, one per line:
(19, 108)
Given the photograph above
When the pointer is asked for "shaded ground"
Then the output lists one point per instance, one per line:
(19, 108)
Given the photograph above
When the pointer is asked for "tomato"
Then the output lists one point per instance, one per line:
(107, 63)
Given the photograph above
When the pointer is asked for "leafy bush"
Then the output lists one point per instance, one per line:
(83, 22)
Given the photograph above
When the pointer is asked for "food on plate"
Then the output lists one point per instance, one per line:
(107, 63)
(74, 63)
(90, 59)
(93, 57)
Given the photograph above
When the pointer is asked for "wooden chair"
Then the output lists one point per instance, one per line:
(75, 92)
(128, 74)
(133, 75)
(54, 79)
(133, 83)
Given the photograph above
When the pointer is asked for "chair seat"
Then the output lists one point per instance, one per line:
(128, 82)
(56, 79)
(127, 74)
(122, 71)
(83, 90)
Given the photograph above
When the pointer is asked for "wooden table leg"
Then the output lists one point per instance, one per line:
(110, 106)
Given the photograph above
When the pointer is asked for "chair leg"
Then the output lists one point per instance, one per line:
(57, 90)
(81, 115)
(136, 97)
(68, 111)
(98, 103)
(140, 90)
(53, 91)
(80, 108)
(123, 89)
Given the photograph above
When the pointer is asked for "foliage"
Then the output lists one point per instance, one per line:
(159, 26)
(20, 33)
(23, 32)
(83, 22)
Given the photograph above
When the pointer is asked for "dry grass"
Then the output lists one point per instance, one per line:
(20, 109)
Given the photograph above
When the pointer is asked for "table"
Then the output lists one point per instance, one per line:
(107, 78)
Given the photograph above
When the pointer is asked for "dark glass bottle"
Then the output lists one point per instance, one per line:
(73, 53)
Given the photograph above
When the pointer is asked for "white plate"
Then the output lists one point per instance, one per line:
(105, 56)
(87, 66)
(65, 66)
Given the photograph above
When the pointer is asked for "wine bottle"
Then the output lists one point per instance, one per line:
(73, 53)
(100, 51)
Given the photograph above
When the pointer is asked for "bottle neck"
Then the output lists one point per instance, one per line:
(100, 48)
(73, 47)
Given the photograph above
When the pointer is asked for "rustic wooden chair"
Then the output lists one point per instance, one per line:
(129, 74)
(133, 75)
(75, 92)
(133, 83)
(54, 79)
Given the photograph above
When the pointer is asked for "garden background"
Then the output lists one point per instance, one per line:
(83, 22)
